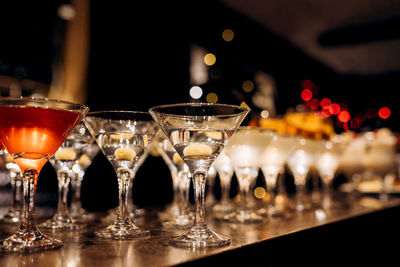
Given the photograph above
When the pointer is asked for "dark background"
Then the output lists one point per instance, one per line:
(140, 56)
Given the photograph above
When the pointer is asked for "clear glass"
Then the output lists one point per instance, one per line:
(32, 130)
(244, 150)
(89, 152)
(224, 168)
(178, 215)
(379, 158)
(271, 162)
(124, 137)
(327, 164)
(199, 132)
(14, 213)
(299, 162)
(63, 161)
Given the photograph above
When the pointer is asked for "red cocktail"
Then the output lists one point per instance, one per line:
(32, 130)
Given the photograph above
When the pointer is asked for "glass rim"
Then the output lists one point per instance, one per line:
(43, 100)
(199, 104)
(117, 111)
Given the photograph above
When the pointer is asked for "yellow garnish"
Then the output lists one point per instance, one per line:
(197, 150)
(124, 153)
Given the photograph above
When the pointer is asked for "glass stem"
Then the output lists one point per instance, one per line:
(245, 182)
(199, 188)
(63, 183)
(184, 194)
(28, 217)
(123, 190)
(300, 182)
(326, 187)
(270, 180)
(225, 180)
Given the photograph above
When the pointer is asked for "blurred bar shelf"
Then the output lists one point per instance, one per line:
(367, 223)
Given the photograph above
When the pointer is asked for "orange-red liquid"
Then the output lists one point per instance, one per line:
(33, 134)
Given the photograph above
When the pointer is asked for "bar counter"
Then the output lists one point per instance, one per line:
(366, 224)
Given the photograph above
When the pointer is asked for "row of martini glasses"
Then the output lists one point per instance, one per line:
(32, 131)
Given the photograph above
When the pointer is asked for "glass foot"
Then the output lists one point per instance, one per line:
(60, 222)
(82, 216)
(243, 217)
(25, 241)
(200, 237)
(12, 216)
(121, 230)
(183, 221)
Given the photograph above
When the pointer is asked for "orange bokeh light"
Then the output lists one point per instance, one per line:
(344, 116)
(334, 109)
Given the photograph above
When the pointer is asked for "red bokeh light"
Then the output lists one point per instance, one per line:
(307, 84)
(384, 113)
(306, 95)
(325, 112)
(334, 108)
(314, 104)
(344, 116)
(325, 102)
(355, 123)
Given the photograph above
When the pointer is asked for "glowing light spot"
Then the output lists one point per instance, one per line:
(196, 92)
(306, 95)
(344, 116)
(209, 59)
(314, 104)
(325, 112)
(259, 192)
(384, 113)
(212, 98)
(247, 86)
(325, 102)
(264, 114)
(334, 109)
(228, 35)
(66, 12)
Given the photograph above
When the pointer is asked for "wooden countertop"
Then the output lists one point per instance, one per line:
(81, 248)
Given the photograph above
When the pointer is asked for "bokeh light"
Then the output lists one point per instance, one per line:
(384, 113)
(212, 98)
(247, 86)
(228, 35)
(344, 116)
(210, 59)
(306, 95)
(259, 192)
(196, 92)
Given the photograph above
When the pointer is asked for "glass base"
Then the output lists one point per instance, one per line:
(243, 217)
(200, 237)
(25, 241)
(60, 222)
(12, 216)
(183, 221)
(82, 216)
(122, 229)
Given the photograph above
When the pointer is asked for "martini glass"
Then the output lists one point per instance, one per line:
(62, 162)
(244, 150)
(180, 217)
(32, 130)
(14, 213)
(224, 168)
(199, 132)
(124, 138)
(271, 163)
(87, 153)
(299, 162)
(327, 163)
